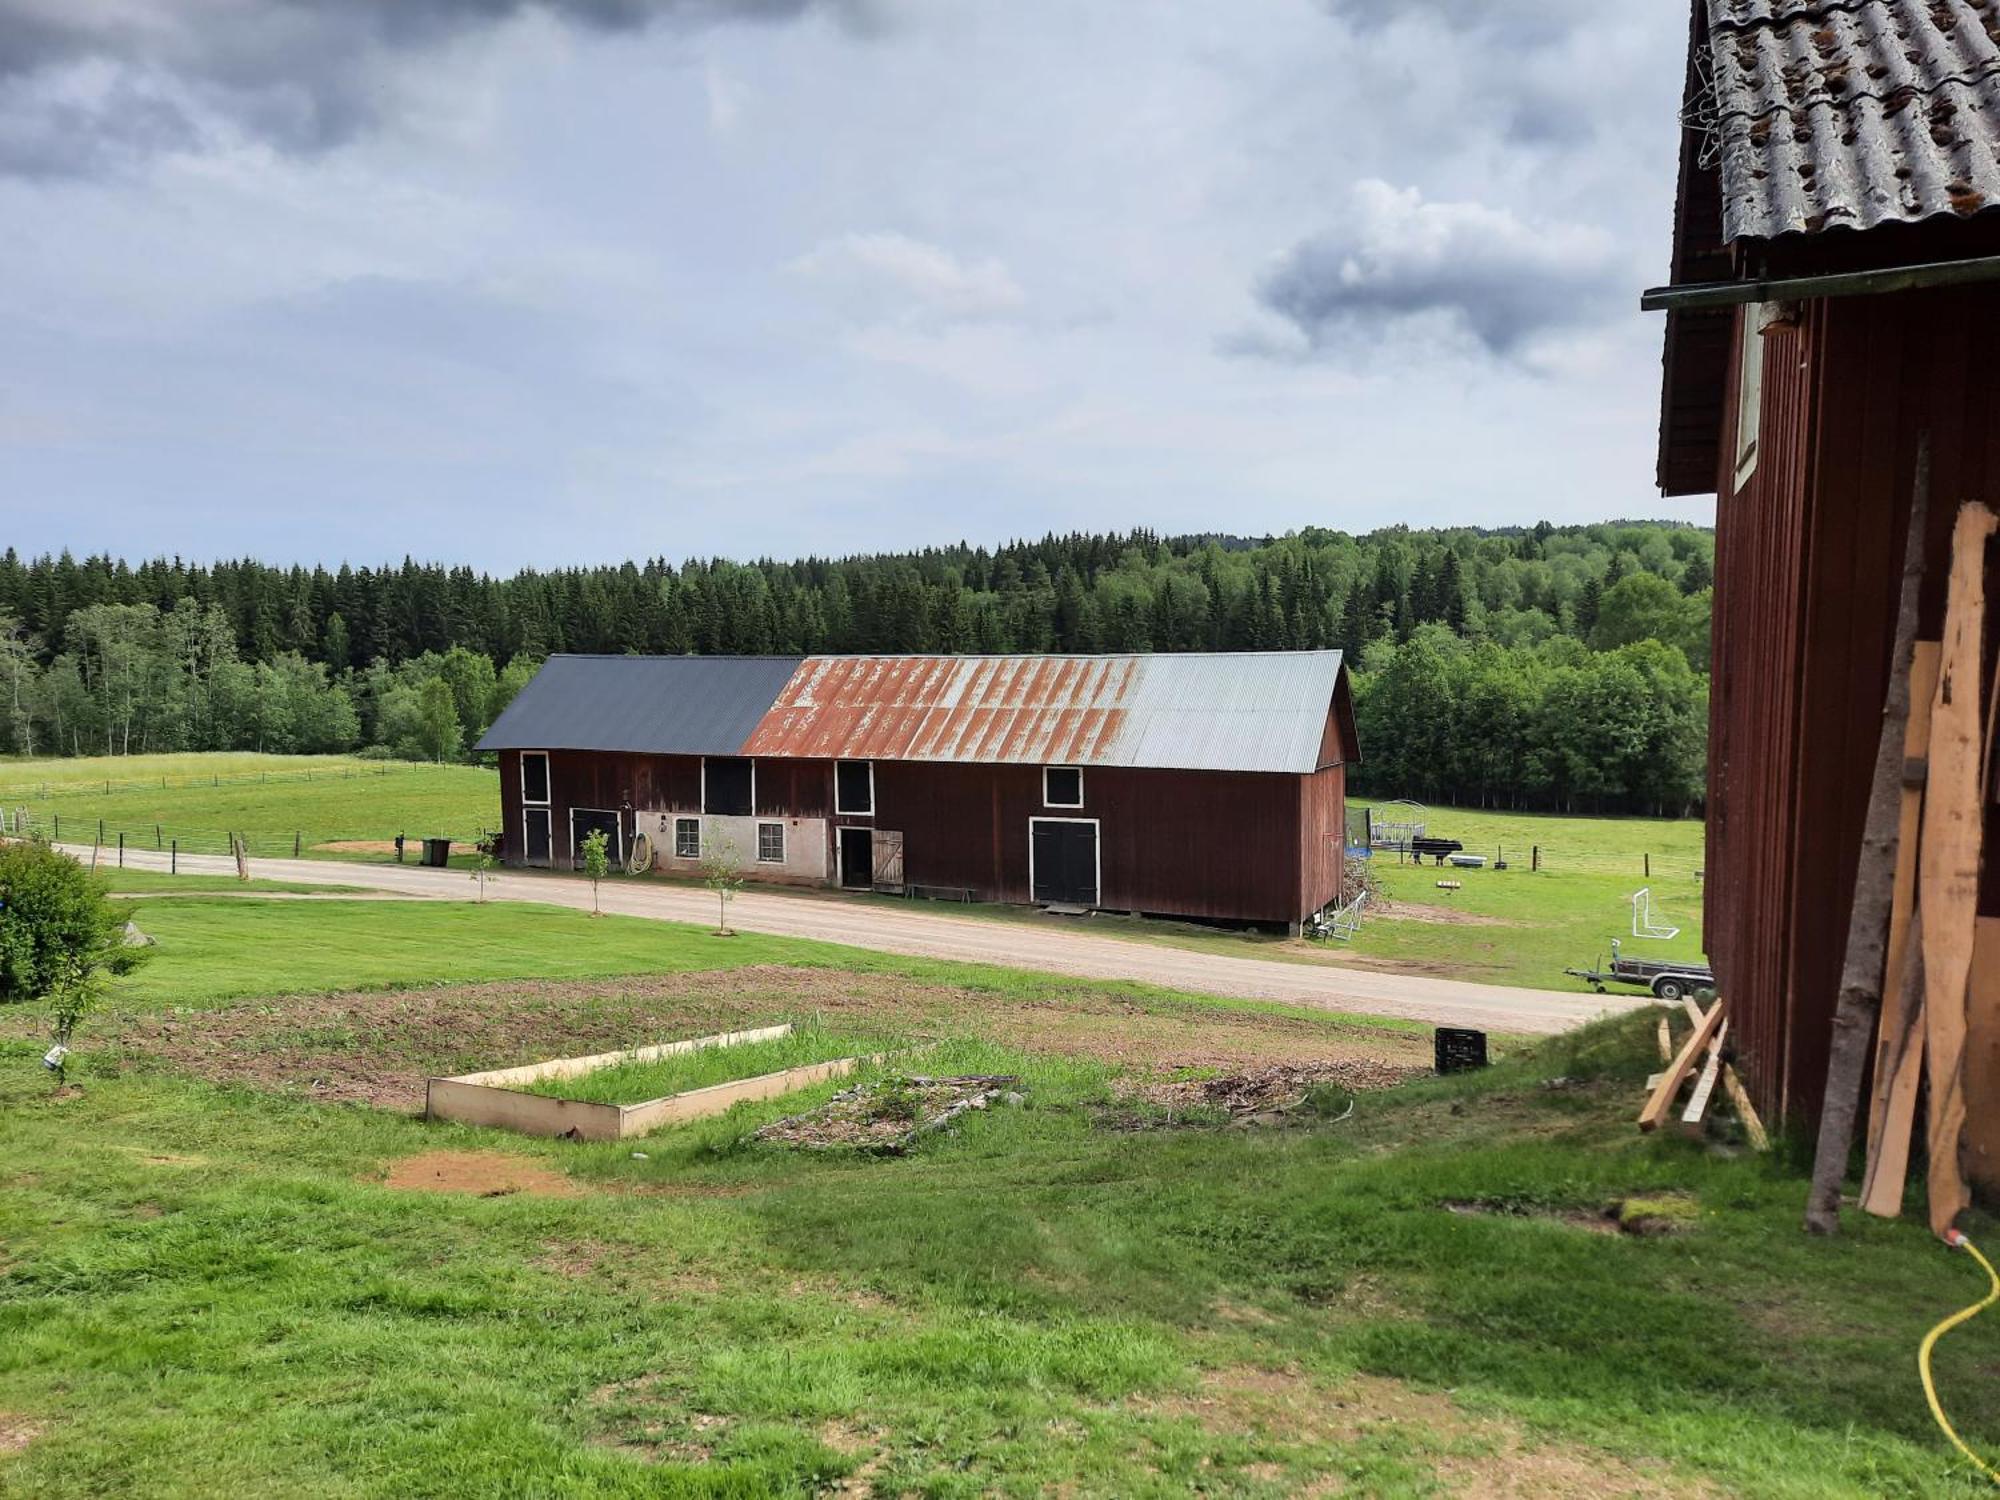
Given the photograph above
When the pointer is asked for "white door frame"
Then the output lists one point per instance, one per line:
(1096, 852)
(617, 823)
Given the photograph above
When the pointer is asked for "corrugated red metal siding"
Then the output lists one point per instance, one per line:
(1807, 573)
(1322, 837)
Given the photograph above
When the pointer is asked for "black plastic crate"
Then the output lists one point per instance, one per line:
(1459, 1050)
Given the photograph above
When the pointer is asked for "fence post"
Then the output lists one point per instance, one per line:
(1648, 857)
(121, 848)
(100, 830)
(1535, 861)
(296, 835)
(159, 838)
(58, 833)
(174, 859)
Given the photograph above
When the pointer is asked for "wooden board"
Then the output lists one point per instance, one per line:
(1899, 1046)
(1739, 1096)
(1704, 1086)
(699, 1104)
(1666, 1039)
(1662, 1098)
(575, 1067)
(1948, 860)
(1982, 1058)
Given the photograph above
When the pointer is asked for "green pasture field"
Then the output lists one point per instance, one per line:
(272, 800)
(211, 1288)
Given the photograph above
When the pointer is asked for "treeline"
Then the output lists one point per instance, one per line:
(1479, 724)
(101, 656)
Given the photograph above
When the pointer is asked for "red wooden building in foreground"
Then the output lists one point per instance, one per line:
(1835, 302)
(1202, 786)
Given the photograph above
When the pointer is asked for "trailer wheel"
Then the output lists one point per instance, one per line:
(1670, 988)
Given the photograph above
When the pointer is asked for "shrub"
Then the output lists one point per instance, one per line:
(52, 911)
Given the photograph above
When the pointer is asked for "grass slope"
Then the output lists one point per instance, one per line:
(211, 1291)
(200, 799)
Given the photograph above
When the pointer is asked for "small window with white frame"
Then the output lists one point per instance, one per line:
(854, 788)
(687, 838)
(770, 843)
(535, 777)
(1749, 391)
(1062, 786)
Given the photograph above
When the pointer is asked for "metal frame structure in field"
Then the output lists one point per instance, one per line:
(495, 1097)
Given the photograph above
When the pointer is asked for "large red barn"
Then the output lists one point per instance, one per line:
(1201, 786)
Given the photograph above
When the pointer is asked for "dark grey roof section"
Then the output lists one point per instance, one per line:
(1828, 113)
(660, 705)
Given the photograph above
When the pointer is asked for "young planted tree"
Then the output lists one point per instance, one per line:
(483, 863)
(596, 863)
(722, 872)
(73, 995)
(58, 937)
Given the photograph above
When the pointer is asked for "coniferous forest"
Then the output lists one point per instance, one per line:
(1562, 667)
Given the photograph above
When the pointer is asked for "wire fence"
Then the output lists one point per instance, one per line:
(1646, 864)
(113, 839)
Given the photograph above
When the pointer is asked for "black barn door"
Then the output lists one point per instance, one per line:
(583, 823)
(535, 836)
(1065, 862)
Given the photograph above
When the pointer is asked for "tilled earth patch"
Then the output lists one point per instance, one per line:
(378, 1047)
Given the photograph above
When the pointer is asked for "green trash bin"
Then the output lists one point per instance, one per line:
(437, 853)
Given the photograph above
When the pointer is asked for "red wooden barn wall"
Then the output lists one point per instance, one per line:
(1808, 558)
(1228, 845)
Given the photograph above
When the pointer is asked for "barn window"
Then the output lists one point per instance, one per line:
(728, 786)
(770, 843)
(687, 838)
(1749, 391)
(854, 788)
(1062, 786)
(535, 776)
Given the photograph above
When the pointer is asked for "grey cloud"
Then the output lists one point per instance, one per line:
(86, 85)
(1479, 272)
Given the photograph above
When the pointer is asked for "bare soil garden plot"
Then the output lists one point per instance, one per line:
(378, 1047)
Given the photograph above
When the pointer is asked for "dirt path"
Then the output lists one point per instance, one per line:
(930, 934)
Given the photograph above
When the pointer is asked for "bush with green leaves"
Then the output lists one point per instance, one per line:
(51, 911)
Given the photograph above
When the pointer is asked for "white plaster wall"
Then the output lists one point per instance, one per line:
(806, 846)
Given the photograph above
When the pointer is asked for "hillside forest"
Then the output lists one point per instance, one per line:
(1558, 667)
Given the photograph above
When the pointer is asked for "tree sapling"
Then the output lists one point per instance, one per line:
(722, 872)
(596, 863)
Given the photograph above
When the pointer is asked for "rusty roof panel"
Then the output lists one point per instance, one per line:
(1824, 113)
(1250, 711)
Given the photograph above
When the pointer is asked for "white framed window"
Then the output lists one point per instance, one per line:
(535, 777)
(687, 838)
(1062, 786)
(854, 788)
(770, 843)
(1749, 391)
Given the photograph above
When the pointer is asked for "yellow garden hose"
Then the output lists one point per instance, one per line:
(1958, 1241)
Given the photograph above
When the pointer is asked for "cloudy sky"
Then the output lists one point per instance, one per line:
(519, 283)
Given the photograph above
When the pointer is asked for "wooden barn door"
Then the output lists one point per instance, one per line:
(887, 849)
(1064, 854)
(535, 835)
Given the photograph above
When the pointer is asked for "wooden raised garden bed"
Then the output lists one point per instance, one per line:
(499, 1097)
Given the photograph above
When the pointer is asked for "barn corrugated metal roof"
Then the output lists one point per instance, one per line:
(1825, 113)
(663, 705)
(1239, 711)
(1250, 711)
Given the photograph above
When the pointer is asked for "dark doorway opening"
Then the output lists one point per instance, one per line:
(728, 785)
(535, 836)
(583, 822)
(1065, 861)
(857, 859)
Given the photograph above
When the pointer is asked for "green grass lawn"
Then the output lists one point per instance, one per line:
(275, 801)
(211, 1290)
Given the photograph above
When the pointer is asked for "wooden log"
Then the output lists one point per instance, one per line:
(1948, 866)
(1739, 1096)
(1662, 1098)
(1874, 883)
(1889, 1158)
(1899, 1049)
(1704, 1086)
